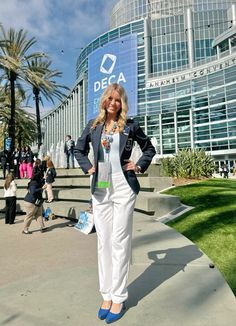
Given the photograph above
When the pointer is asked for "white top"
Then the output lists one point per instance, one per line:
(11, 191)
(114, 155)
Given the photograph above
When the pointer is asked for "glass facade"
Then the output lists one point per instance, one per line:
(186, 73)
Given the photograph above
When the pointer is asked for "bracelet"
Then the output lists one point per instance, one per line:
(137, 169)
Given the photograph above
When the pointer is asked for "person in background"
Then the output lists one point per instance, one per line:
(69, 151)
(16, 162)
(29, 161)
(38, 167)
(221, 170)
(114, 187)
(10, 198)
(49, 179)
(234, 170)
(23, 163)
(44, 162)
(34, 203)
(226, 171)
(5, 161)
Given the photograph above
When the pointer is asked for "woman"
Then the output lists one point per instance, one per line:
(114, 187)
(16, 161)
(38, 167)
(49, 179)
(33, 203)
(29, 161)
(5, 162)
(23, 163)
(10, 197)
(44, 162)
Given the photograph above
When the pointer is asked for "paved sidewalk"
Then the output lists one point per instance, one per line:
(51, 279)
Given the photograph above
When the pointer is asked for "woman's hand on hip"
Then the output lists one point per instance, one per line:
(91, 171)
(129, 166)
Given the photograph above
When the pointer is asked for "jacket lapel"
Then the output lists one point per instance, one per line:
(96, 140)
(123, 138)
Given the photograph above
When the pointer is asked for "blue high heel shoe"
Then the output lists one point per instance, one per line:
(111, 317)
(102, 313)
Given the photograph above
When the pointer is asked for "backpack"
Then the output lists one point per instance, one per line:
(47, 212)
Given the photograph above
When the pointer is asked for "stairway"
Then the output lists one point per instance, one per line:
(72, 194)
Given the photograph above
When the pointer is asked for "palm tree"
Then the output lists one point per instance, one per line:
(14, 58)
(25, 130)
(42, 78)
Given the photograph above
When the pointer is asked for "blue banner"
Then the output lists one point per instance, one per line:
(115, 62)
(8, 143)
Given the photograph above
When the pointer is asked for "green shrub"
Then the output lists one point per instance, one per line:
(188, 163)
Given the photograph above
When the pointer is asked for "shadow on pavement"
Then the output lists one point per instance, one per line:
(174, 260)
(52, 227)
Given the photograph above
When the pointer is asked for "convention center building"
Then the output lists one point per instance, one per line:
(177, 61)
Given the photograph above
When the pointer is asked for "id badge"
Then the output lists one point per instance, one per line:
(104, 169)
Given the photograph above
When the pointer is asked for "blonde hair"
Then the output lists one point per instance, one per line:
(121, 116)
(50, 164)
(46, 157)
(8, 180)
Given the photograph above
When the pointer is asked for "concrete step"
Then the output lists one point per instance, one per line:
(72, 188)
(69, 210)
(156, 204)
(83, 181)
(147, 202)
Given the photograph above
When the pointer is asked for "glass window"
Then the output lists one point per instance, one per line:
(153, 108)
(221, 133)
(217, 96)
(184, 138)
(232, 143)
(202, 132)
(168, 91)
(230, 74)
(231, 110)
(200, 100)
(137, 26)
(201, 116)
(167, 118)
(230, 92)
(168, 106)
(103, 39)
(232, 128)
(124, 30)
(183, 129)
(140, 40)
(220, 145)
(153, 94)
(114, 34)
(205, 146)
(184, 103)
(199, 84)
(216, 79)
(218, 113)
(141, 68)
(95, 44)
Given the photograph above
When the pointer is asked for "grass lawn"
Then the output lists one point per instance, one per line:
(211, 225)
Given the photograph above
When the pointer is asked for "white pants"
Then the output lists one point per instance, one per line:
(113, 218)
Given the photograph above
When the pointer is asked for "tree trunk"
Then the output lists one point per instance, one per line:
(20, 138)
(36, 94)
(12, 121)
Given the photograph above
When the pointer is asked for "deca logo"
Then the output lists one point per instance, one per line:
(108, 63)
(107, 66)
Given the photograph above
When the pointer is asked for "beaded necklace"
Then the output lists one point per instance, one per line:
(107, 138)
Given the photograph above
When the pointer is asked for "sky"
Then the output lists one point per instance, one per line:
(61, 27)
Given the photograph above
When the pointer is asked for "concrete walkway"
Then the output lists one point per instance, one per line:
(51, 279)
